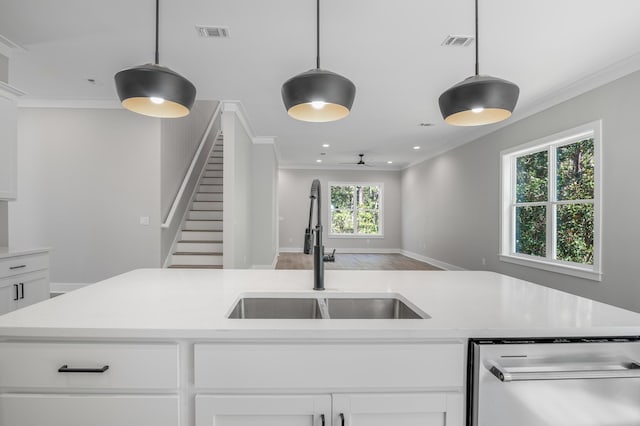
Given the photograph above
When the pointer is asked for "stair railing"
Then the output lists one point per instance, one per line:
(214, 122)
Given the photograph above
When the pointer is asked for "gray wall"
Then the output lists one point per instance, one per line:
(294, 186)
(4, 224)
(264, 199)
(179, 142)
(4, 69)
(451, 203)
(85, 177)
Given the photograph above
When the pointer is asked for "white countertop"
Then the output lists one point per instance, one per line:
(6, 252)
(177, 304)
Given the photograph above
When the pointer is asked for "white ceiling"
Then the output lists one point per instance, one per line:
(391, 50)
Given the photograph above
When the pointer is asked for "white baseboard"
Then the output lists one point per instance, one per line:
(272, 266)
(290, 250)
(434, 262)
(66, 287)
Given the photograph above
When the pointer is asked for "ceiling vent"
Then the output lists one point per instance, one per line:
(457, 41)
(213, 32)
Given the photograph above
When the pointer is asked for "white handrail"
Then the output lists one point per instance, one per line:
(187, 177)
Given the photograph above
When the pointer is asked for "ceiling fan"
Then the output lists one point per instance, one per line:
(360, 162)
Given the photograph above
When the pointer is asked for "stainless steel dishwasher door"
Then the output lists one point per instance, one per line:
(556, 384)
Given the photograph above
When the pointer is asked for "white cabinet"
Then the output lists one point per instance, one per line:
(24, 280)
(89, 384)
(8, 141)
(365, 409)
(263, 410)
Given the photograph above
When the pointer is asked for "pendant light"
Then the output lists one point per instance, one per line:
(479, 99)
(155, 90)
(318, 95)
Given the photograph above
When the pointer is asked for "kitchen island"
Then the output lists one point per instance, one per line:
(155, 347)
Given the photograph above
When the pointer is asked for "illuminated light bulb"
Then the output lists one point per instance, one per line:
(156, 100)
(318, 104)
(477, 110)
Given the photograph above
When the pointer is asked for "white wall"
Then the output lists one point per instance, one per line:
(85, 177)
(264, 199)
(294, 186)
(4, 69)
(451, 203)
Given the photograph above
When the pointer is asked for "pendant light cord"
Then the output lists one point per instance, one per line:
(317, 34)
(157, 20)
(477, 65)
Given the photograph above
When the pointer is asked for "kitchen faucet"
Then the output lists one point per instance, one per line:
(318, 249)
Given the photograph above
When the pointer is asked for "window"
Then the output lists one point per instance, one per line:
(356, 209)
(551, 203)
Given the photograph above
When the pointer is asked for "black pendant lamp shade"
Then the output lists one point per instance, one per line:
(479, 99)
(155, 90)
(318, 95)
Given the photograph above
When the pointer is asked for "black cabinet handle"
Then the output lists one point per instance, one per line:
(17, 267)
(21, 290)
(65, 369)
(16, 297)
(342, 419)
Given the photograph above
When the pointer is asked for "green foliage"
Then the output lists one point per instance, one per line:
(574, 222)
(355, 209)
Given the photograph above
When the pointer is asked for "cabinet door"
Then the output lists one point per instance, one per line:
(7, 296)
(94, 410)
(32, 289)
(263, 410)
(409, 409)
(8, 144)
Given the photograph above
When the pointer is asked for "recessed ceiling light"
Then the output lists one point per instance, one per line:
(325, 145)
(318, 161)
(416, 147)
(389, 162)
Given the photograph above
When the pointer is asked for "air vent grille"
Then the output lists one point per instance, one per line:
(457, 41)
(213, 32)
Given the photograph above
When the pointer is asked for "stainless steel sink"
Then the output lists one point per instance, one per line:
(385, 306)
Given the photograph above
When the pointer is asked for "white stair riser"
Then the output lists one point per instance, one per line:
(201, 235)
(195, 259)
(203, 225)
(211, 181)
(208, 197)
(216, 160)
(207, 205)
(213, 173)
(214, 167)
(210, 188)
(205, 215)
(199, 247)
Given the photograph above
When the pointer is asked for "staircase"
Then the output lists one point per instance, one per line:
(200, 242)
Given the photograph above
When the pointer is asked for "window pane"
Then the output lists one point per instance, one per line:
(368, 197)
(341, 222)
(342, 197)
(575, 171)
(532, 178)
(368, 222)
(575, 233)
(531, 234)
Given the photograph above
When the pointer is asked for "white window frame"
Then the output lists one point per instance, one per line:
(354, 235)
(507, 202)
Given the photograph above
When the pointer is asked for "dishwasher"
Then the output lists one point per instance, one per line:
(554, 382)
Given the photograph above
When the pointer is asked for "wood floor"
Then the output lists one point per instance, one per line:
(378, 262)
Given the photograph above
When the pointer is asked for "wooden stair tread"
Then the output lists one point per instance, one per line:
(195, 266)
(196, 253)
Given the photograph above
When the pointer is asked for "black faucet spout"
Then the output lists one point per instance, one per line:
(318, 248)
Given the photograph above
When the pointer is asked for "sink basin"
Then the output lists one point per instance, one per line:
(275, 308)
(341, 306)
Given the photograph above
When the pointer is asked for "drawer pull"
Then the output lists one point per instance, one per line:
(17, 294)
(17, 267)
(65, 369)
(21, 290)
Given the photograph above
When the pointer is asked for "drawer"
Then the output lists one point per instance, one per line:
(22, 264)
(128, 366)
(93, 410)
(255, 366)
